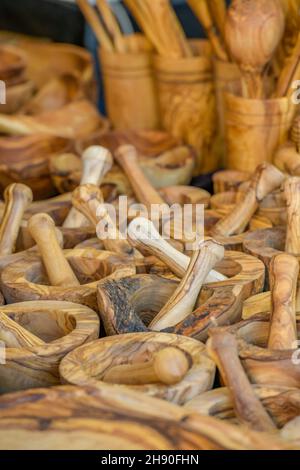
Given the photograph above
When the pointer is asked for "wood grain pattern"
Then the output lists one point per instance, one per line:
(228, 180)
(38, 335)
(292, 195)
(106, 418)
(82, 369)
(27, 280)
(287, 159)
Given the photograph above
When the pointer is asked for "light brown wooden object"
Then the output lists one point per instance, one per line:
(292, 194)
(287, 158)
(218, 11)
(284, 272)
(14, 335)
(253, 32)
(289, 72)
(144, 236)
(127, 158)
(88, 200)
(18, 198)
(222, 348)
(168, 366)
(182, 302)
(95, 23)
(42, 230)
(201, 10)
(265, 180)
(96, 163)
(112, 25)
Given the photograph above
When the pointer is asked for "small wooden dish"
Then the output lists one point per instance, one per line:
(88, 365)
(27, 279)
(61, 327)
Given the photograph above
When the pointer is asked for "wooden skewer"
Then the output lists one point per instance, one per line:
(96, 162)
(144, 236)
(18, 198)
(182, 302)
(284, 272)
(222, 348)
(42, 229)
(201, 10)
(292, 195)
(265, 180)
(169, 366)
(127, 158)
(89, 201)
(112, 25)
(95, 23)
(15, 336)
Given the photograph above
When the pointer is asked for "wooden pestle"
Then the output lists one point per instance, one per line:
(144, 236)
(89, 201)
(96, 162)
(222, 348)
(183, 300)
(17, 198)
(201, 10)
(15, 336)
(292, 195)
(127, 158)
(42, 229)
(168, 366)
(266, 179)
(284, 270)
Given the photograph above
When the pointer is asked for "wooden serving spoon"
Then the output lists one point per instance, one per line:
(89, 201)
(17, 198)
(266, 179)
(222, 348)
(253, 31)
(284, 272)
(42, 229)
(144, 236)
(182, 302)
(96, 162)
(169, 366)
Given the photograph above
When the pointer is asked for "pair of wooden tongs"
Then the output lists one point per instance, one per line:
(106, 27)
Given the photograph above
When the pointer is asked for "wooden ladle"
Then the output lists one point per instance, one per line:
(17, 198)
(253, 31)
(96, 162)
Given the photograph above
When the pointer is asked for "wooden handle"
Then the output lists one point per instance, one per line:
(88, 200)
(42, 230)
(15, 336)
(284, 270)
(112, 26)
(182, 302)
(222, 348)
(265, 180)
(169, 366)
(95, 23)
(96, 163)
(292, 195)
(201, 10)
(218, 12)
(144, 236)
(288, 72)
(127, 158)
(17, 198)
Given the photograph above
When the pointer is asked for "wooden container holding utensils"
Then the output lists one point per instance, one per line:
(255, 129)
(187, 101)
(129, 87)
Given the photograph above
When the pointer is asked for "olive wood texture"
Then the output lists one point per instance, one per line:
(96, 162)
(253, 31)
(37, 335)
(182, 302)
(264, 365)
(287, 159)
(222, 348)
(26, 279)
(144, 236)
(265, 180)
(89, 201)
(292, 194)
(281, 403)
(115, 419)
(17, 198)
(229, 180)
(94, 365)
(129, 305)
